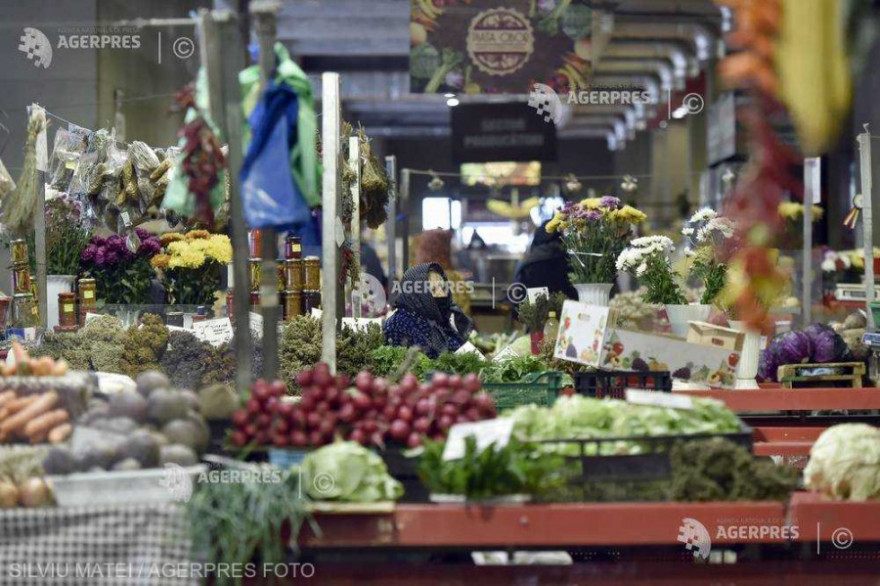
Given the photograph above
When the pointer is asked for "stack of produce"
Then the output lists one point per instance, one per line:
(373, 412)
(845, 463)
(148, 428)
(816, 344)
(21, 479)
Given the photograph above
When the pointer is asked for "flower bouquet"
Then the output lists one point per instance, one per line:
(648, 259)
(190, 265)
(66, 237)
(707, 233)
(122, 277)
(594, 233)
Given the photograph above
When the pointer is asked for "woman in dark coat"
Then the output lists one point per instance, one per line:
(425, 315)
(546, 264)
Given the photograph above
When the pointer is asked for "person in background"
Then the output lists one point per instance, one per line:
(435, 246)
(545, 264)
(372, 265)
(425, 314)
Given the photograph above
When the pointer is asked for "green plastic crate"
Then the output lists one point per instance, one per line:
(540, 388)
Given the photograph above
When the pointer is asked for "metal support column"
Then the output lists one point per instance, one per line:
(223, 58)
(404, 210)
(333, 231)
(391, 223)
(266, 17)
(354, 163)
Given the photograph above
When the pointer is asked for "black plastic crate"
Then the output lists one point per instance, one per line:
(405, 469)
(612, 384)
(594, 472)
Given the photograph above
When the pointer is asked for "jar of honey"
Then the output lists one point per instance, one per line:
(293, 274)
(311, 273)
(66, 309)
(293, 248)
(293, 304)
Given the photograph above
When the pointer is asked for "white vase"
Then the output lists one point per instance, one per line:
(594, 293)
(56, 284)
(680, 315)
(747, 368)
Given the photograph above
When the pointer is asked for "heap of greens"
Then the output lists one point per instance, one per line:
(534, 315)
(492, 472)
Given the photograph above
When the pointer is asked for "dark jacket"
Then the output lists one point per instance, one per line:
(546, 265)
(418, 320)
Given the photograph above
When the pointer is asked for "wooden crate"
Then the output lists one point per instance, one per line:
(711, 335)
(798, 375)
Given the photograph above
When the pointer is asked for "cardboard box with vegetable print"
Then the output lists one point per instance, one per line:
(585, 338)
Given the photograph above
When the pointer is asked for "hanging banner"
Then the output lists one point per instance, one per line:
(500, 132)
(499, 46)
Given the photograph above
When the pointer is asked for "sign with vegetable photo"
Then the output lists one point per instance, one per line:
(495, 46)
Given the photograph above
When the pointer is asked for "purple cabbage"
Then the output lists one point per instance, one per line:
(794, 348)
(828, 346)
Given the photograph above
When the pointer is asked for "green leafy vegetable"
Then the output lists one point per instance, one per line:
(348, 472)
(845, 463)
(533, 315)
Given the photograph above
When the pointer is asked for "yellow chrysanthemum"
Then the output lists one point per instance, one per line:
(628, 214)
(217, 248)
(197, 234)
(160, 261)
(169, 237)
(555, 223)
(591, 203)
(793, 210)
(185, 256)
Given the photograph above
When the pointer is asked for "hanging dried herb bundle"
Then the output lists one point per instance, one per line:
(18, 206)
(375, 186)
(348, 176)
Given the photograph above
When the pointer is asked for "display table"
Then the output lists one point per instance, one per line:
(134, 544)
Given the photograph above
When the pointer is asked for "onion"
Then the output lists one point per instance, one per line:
(322, 407)
(8, 495)
(358, 436)
(445, 422)
(282, 426)
(260, 390)
(342, 381)
(34, 493)
(307, 404)
(313, 420)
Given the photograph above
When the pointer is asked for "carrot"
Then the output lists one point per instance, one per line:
(7, 397)
(60, 433)
(41, 425)
(38, 407)
(20, 403)
(21, 355)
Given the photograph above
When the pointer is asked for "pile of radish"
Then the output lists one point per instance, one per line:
(372, 412)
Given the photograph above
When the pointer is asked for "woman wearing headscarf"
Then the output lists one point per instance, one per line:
(546, 264)
(425, 314)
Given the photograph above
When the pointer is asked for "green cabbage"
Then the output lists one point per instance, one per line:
(348, 472)
(845, 463)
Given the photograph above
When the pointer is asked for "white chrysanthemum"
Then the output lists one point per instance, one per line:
(640, 270)
(687, 231)
(828, 265)
(847, 263)
(690, 252)
(703, 215)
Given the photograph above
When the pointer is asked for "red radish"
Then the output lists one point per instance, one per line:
(342, 381)
(423, 407)
(285, 409)
(473, 414)
(304, 378)
(280, 440)
(254, 407)
(449, 409)
(282, 426)
(399, 430)
(369, 426)
(361, 401)
(313, 420)
(297, 418)
(439, 380)
(404, 413)
(240, 418)
(422, 425)
(278, 388)
(327, 426)
(472, 383)
(409, 383)
(455, 381)
(445, 422)
(271, 404)
(250, 430)
(298, 439)
(322, 407)
(363, 381)
(347, 413)
(307, 403)
(380, 385)
(414, 440)
(389, 412)
(263, 421)
(461, 397)
(358, 436)
(315, 438)
(239, 438)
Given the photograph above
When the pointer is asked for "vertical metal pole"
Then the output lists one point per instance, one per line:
(222, 57)
(42, 155)
(404, 228)
(333, 231)
(391, 223)
(867, 220)
(265, 14)
(354, 162)
(812, 194)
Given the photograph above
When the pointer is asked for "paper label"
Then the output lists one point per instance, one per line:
(533, 293)
(126, 219)
(504, 354)
(340, 232)
(91, 316)
(256, 324)
(69, 307)
(491, 431)
(214, 331)
(88, 294)
(659, 399)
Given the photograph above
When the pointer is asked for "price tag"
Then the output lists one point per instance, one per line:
(256, 325)
(533, 293)
(176, 329)
(126, 219)
(90, 316)
(659, 399)
(213, 331)
(507, 352)
(491, 431)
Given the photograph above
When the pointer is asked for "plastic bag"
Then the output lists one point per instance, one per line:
(269, 193)
(7, 184)
(68, 147)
